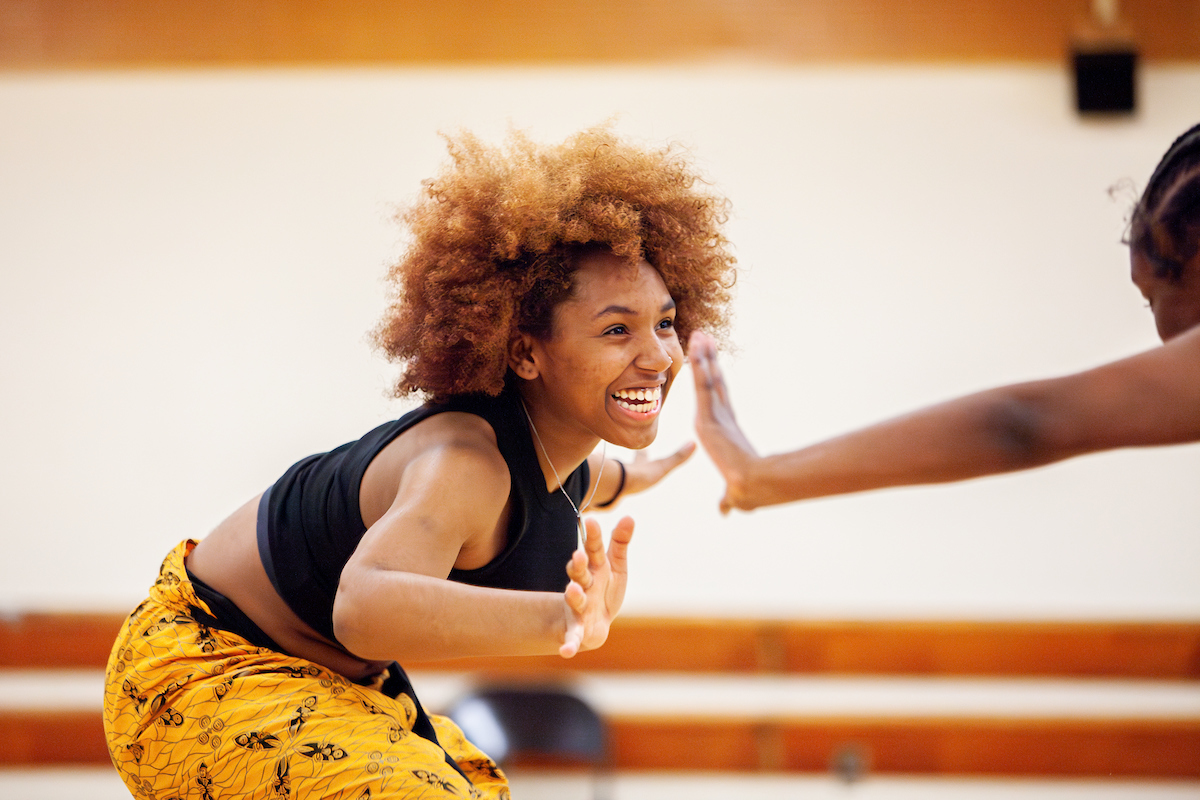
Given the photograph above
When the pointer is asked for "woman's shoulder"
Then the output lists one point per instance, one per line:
(449, 450)
(455, 431)
(459, 421)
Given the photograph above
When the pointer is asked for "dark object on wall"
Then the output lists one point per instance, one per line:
(1105, 80)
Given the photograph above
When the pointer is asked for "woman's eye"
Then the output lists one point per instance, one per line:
(616, 329)
(666, 324)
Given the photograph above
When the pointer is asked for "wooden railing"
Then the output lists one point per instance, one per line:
(90, 34)
(1126, 746)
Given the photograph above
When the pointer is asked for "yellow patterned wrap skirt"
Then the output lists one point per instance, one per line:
(192, 711)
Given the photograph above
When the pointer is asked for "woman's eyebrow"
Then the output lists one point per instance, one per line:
(615, 310)
(667, 306)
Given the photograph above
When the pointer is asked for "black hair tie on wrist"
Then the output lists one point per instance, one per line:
(620, 487)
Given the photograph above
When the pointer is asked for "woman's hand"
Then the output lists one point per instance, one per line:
(617, 479)
(643, 472)
(597, 588)
(717, 427)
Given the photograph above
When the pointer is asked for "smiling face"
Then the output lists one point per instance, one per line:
(609, 362)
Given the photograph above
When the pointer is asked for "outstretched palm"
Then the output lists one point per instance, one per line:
(597, 588)
(716, 425)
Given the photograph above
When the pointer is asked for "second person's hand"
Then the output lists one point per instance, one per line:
(717, 426)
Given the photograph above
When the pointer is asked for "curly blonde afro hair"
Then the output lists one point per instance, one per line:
(494, 238)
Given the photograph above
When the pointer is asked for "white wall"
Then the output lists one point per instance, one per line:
(190, 263)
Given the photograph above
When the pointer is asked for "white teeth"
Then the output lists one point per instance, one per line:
(652, 393)
(640, 400)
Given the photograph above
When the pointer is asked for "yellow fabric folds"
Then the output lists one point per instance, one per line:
(191, 711)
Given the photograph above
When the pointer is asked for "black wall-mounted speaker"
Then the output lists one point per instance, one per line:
(1105, 81)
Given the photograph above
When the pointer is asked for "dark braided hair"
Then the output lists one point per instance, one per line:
(1166, 220)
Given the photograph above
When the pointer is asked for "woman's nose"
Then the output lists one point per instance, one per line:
(655, 357)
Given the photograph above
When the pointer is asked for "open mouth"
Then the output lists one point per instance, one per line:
(639, 401)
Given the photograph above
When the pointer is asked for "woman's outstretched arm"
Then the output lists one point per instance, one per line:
(1152, 398)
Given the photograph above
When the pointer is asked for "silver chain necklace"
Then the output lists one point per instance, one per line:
(599, 472)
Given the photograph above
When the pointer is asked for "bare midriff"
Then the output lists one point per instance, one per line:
(228, 561)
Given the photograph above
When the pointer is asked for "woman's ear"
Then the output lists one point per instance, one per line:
(520, 356)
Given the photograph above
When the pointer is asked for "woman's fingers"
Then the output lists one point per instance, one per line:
(576, 600)
(597, 586)
(618, 546)
(577, 570)
(706, 372)
(702, 357)
(593, 542)
(576, 597)
(679, 456)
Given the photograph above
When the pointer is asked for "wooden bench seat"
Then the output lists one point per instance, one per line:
(1027, 743)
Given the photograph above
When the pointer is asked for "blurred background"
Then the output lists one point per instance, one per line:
(196, 213)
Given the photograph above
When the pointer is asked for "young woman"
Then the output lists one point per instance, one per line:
(540, 310)
(1149, 399)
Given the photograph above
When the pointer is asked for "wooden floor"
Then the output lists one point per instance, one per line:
(103, 784)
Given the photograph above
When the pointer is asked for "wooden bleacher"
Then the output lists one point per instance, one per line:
(999, 745)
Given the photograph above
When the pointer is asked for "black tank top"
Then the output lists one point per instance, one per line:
(309, 522)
